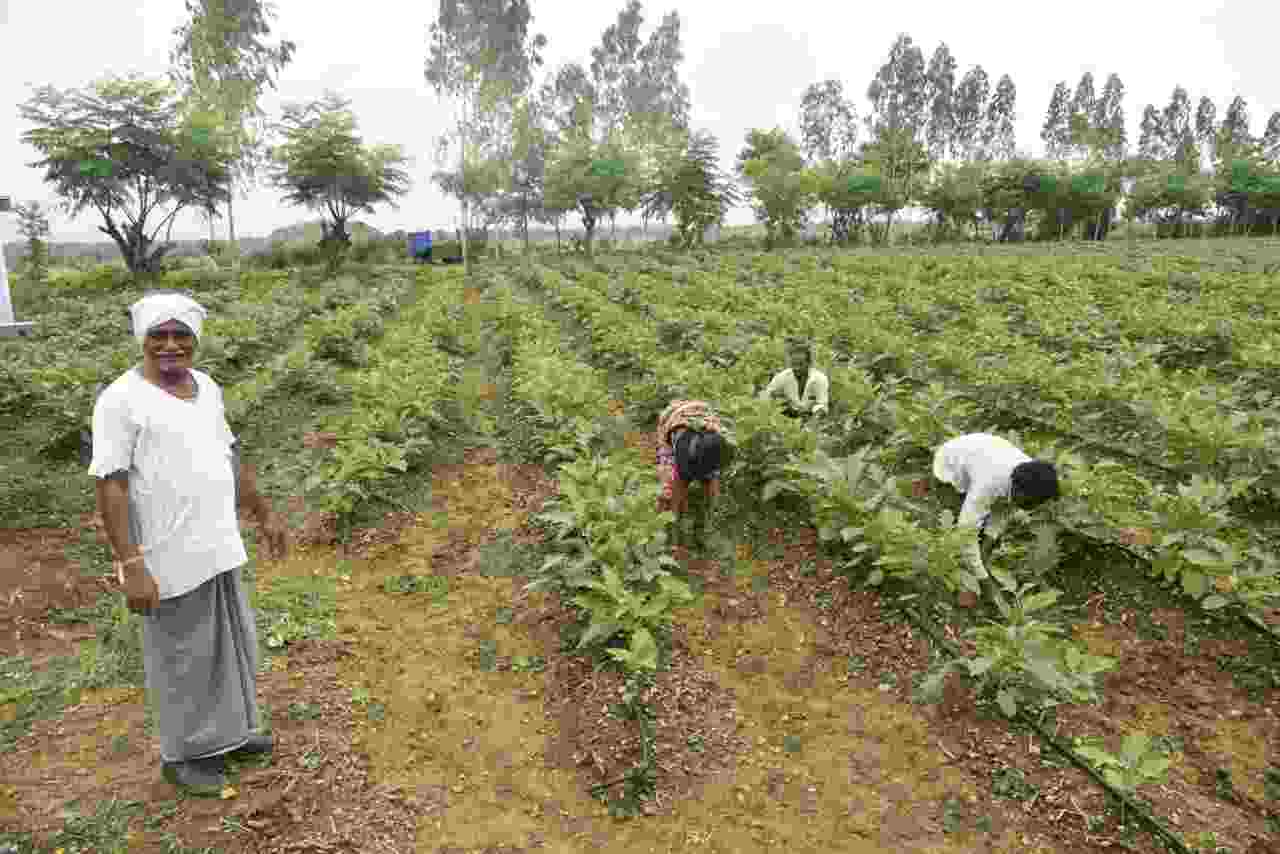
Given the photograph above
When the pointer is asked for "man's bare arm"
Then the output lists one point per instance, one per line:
(112, 494)
(249, 501)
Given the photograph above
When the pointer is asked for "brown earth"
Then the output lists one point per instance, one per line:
(784, 722)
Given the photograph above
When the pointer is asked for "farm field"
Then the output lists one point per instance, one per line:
(468, 467)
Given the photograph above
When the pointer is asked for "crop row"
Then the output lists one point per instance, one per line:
(396, 400)
(1179, 419)
(50, 376)
(326, 343)
(1186, 533)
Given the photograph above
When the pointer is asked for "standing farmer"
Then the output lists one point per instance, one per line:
(168, 477)
(986, 468)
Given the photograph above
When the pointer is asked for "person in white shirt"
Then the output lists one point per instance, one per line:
(804, 387)
(168, 481)
(986, 468)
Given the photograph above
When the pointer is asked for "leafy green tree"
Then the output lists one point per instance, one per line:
(1080, 110)
(638, 100)
(999, 140)
(897, 158)
(970, 110)
(1151, 138)
(592, 179)
(1056, 131)
(700, 193)
(954, 195)
(1271, 138)
(124, 148)
(828, 123)
(782, 190)
(615, 68)
(899, 96)
(1206, 125)
(1178, 132)
(223, 67)
(481, 54)
(940, 95)
(1108, 118)
(322, 164)
(849, 189)
(1169, 193)
(530, 144)
(33, 224)
(828, 139)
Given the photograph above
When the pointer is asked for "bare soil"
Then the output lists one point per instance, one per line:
(458, 724)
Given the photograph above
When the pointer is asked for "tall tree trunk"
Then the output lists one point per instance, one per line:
(234, 247)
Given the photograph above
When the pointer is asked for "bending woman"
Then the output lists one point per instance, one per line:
(690, 448)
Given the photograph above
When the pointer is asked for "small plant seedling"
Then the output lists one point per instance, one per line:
(488, 656)
(1222, 784)
(528, 664)
(303, 711)
(1141, 761)
(1271, 783)
(1011, 783)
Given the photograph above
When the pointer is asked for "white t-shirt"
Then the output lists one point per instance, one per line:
(181, 484)
(979, 465)
(815, 390)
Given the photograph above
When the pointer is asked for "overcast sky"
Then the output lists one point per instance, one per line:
(746, 64)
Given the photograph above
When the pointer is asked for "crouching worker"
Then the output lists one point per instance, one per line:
(691, 448)
(986, 468)
(804, 387)
(167, 481)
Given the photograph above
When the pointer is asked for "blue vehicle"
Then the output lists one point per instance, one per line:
(420, 246)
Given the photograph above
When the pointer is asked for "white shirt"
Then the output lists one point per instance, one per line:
(181, 484)
(980, 466)
(815, 390)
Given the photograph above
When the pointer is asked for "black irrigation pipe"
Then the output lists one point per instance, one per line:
(1153, 824)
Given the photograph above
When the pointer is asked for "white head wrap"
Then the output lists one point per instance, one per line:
(159, 308)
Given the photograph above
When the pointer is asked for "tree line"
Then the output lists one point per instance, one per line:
(613, 135)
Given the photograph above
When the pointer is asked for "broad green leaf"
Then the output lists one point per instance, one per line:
(1194, 583)
(773, 488)
(1040, 601)
(1008, 702)
(1201, 557)
(1135, 745)
(644, 651)
(598, 632)
(1005, 579)
(875, 577)
(1153, 767)
(931, 686)
(1214, 602)
(1096, 755)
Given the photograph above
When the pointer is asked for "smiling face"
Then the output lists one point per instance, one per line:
(169, 348)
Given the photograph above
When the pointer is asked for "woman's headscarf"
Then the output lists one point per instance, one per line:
(154, 309)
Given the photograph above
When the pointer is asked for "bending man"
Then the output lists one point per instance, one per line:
(987, 468)
(168, 479)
